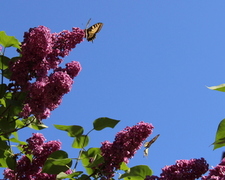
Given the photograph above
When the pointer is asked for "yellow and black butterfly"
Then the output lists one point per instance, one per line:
(148, 144)
(90, 33)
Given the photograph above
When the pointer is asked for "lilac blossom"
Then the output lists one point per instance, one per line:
(41, 51)
(183, 169)
(125, 145)
(217, 173)
(31, 170)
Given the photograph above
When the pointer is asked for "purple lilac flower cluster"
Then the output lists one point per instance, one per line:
(31, 170)
(125, 145)
(41, 51)
(183, 169)
(217, 173)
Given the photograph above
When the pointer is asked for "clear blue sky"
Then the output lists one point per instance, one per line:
(151, 62)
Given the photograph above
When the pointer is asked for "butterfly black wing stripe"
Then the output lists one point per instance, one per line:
(90, 33)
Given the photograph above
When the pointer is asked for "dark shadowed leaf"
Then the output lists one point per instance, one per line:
(11, 162)
(3, 88)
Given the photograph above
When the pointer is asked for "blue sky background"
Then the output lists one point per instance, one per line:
(151, 62)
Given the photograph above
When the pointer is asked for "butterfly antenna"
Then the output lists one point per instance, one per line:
(88, 23)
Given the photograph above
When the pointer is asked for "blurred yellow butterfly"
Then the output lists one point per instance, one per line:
(90, 33)
(148, 144)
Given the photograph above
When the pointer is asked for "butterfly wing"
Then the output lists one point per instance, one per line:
(146, 152)
(92, 31)
(148, 144)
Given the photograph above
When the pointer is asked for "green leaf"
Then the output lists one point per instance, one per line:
(57, 162)
(80, 141)
(8, 95)
(94, 154)
(8, 41)
(98, 159)
(3, 162)
(124, 167)
(220, 87)
(7, 127)
(3, 148)
(73, 131)
(34, 123)
(3, 89)
(14, 102)
(63, 175)
(91, 152)
(59, 154)
(3, 103)
(4, 62)
(220, 135)
(104, 122)
(11, 162)
(16, 139)
(19, 123)
(137, 173)
(7, 73)
(84, 177)
(86, 161)
(91, 158)
(30, 157)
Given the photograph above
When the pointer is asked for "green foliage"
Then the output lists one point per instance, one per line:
(11, 162)
(220, 135)
(4, 65)
(32, 122)
(11, 104)
(124, 167)
(3, 88)
(91, 158)
(220, 87)
(80, 141)
(104, 122)
(4, 62)
(4, 148)
(14, 138)
(73, 131)
(137, 173)
(8, 41)
(57, 162)
(63, 175)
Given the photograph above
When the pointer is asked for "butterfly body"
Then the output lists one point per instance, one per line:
(90, 33)
(148, 144)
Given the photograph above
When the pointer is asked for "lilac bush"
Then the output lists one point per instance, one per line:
(125, 145)
(217, 173)
(31, 169)
(183, 169)
(41, 51)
